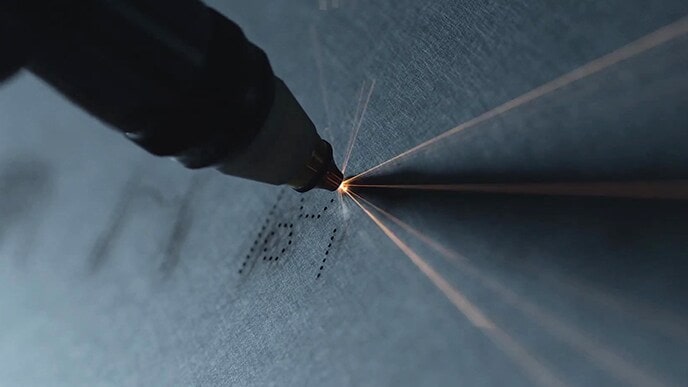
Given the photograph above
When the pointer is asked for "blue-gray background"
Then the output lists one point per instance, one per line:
(117, 268)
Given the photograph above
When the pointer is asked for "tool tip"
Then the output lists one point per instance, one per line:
(321, 171)
(333, 178)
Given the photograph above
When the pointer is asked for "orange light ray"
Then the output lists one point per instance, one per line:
(536, 370)
(664, 321)
(341, 191)
(357, 127)
(653, 39)
(604, 358)
(354, 119)
(659, 189)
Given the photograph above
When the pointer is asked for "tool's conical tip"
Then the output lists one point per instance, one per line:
(321, 171)
(332, 179)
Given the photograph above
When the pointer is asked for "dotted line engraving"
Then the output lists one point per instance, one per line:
(327, 253)
(279, 230)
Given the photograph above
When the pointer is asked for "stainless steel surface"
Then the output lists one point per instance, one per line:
(118, 268)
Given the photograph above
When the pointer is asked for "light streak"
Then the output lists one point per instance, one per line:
(660, 189)
(354, 119)
(343, 188)
(664, 321)
(662, 35)
(357, 127)
(321, 78)
(536, 371)
(604, 358)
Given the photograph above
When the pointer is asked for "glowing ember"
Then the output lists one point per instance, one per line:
(343, 188)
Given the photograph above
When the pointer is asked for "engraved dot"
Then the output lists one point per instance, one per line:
(289, 242)
(327, 252)
(335, 230)
(265, 249)
(283, 250)
(318, 216)
(331, 200)
(240, 271)
(321, 267)
(324, 259)
(291, 233)
(325, 209)
(264, 258)
(329, 245)
(276, 258)
(317, 276)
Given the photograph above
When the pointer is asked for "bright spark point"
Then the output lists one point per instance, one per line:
(343, 188)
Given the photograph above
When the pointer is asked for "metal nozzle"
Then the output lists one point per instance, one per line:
(320, 171)
(286, 150)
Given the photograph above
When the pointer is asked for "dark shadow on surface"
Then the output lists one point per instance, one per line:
(126, 207)
(25, 185)
(181, 228)
(410, 175)
(611, 240)
(589, 260)
(108, 236)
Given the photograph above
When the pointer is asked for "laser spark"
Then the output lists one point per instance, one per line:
(603, 358)
(660, 189)
(354, 119)
(357, 126)
(317, 52)
(535, 370)
(662, 320)
(654, 39)
(343, 188)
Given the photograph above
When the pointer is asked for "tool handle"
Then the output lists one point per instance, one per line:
(177, 77)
